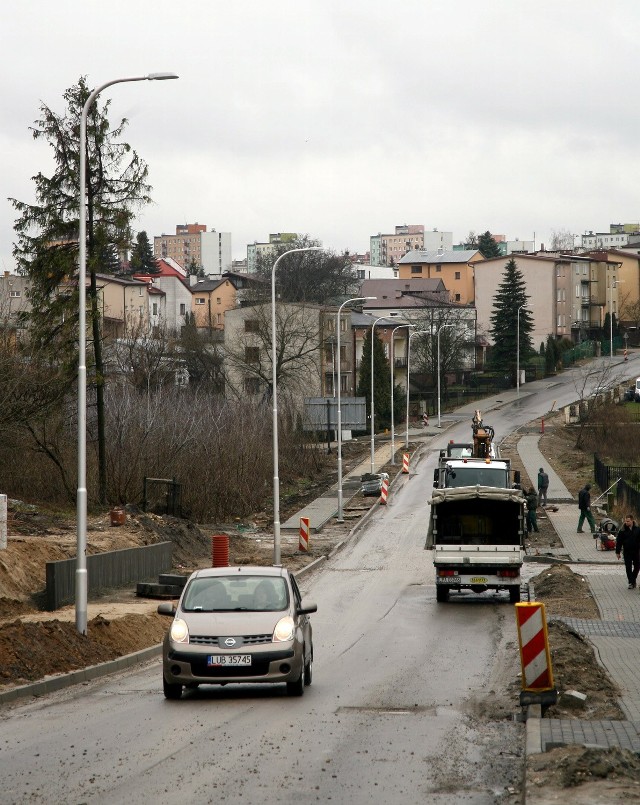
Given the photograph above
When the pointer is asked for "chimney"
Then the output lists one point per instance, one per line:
(440, 251)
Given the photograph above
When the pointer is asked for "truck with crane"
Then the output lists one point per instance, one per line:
(477, 521)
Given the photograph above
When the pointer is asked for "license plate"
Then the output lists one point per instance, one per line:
(448, 580)
(229, 659)
(478, 580)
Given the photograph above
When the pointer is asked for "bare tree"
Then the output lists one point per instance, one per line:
(562, 241)
(298, 343)
(594, 385)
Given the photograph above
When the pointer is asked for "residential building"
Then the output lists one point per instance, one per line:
(368, 272)
(454, 268)
(247, 345)
(386, 250)
(13, 302)
(193, 244)
(173, 281)
(567, 293)
(211, 299)
(618, 236)
(124, 304)
(399, 297)
(256, 250)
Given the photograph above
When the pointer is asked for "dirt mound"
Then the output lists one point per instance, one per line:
(565, 593)
(574, 766)
(33, 650)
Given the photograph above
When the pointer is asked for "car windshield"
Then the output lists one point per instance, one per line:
(236, 594)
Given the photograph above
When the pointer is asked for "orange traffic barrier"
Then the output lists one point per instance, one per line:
(384, 491)
(303, 544)
(405, 463)
(533, 639)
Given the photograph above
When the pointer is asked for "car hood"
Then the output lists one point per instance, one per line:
(214, 624)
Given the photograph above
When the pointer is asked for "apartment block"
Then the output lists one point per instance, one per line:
(192, 243)
(387, 250)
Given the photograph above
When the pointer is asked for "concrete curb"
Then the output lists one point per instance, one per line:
(61, 681)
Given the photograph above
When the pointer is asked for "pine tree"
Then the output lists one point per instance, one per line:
(47, 231)
(487, 246)
(509, 299)
(381, 380)
(143, 260)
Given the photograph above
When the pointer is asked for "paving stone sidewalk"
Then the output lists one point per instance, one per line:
(616, 638)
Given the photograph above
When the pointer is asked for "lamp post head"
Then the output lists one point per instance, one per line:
(161, 76)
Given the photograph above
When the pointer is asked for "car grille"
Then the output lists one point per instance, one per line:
(247, 640)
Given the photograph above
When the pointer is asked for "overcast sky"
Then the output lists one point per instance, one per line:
(343, 118)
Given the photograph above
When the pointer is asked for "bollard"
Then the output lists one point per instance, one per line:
(303, 544)
(220, 550)
(384, 491)
(405, 463)
(542, 425)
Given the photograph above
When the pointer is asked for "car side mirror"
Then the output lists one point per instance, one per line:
(306, 607)
(166, 608)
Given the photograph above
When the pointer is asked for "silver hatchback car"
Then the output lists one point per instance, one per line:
(238, 624)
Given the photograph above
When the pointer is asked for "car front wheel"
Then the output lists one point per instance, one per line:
(171, 691)
(308, 670)
(296, 688)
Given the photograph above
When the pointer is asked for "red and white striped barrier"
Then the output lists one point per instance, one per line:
(303, 544)
(405, 463)
(535, 659)
(384, 491)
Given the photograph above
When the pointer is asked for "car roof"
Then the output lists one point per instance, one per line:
(240, 570)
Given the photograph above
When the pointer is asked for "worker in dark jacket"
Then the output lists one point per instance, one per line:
(532, 516)
(584, 504)
(628, 543)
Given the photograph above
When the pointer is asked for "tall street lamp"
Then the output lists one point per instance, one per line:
(613, 283)
(340, 518)
(81, 497)
(373, 440)
(392, 356)
(440, 329)
(274, 393)
(518, 351)
(412, 335)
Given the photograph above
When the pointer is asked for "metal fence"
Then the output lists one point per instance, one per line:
(627, 496)
(106, 570)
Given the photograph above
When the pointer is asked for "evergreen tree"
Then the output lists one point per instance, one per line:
(509, 299)
(381, 380)
(487, 246)
(142, 257)
(47, 231)
(550, 356)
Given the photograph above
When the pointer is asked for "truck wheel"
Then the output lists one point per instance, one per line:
(514, 595)
(442, 594)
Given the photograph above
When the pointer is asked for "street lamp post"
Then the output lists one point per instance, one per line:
(406, 438)
(274, 393)
(373, 442)
(392, 356)
(612, 284)
(340, 517)
(518, 351)
(81, 497)
(440, 329)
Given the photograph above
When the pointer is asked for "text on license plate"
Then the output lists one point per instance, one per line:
(478, 580)
(229, 659)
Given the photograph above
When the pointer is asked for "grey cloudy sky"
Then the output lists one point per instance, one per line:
(343, 118)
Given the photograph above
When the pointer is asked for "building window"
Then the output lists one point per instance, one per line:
(218, 300)
(155, 308)
(457, 297)
(139, 291)
(251, 325)
(199, 300)
(219, 318)
(438, 268)
(251, 354)
(14, 294)
(252, 385)
(457, 275)
(183, 309)
(416, 269)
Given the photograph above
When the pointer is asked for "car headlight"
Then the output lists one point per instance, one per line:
(284, 630)
(179, 631)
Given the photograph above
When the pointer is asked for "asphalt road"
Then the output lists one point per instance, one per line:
(406, 703)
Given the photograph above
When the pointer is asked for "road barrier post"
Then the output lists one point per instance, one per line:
(384, 491)
(405, 463)
(303, 544)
